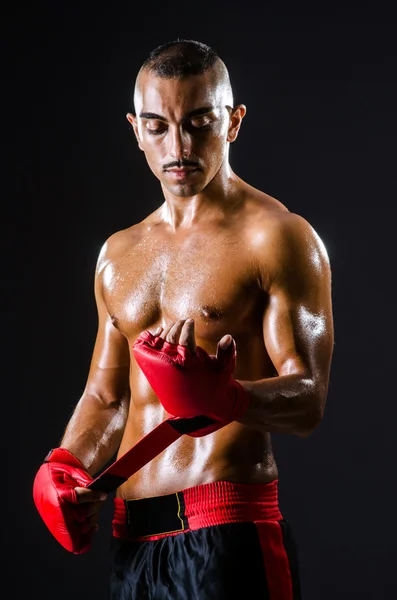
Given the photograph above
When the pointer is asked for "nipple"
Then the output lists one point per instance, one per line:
(114, 321)
(210, 313)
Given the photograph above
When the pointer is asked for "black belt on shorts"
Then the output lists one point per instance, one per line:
(157, 515)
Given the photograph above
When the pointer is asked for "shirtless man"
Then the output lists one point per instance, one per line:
(225, 268)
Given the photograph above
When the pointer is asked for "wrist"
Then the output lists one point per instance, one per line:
(62, 455)
(241, 399)
(247, 386)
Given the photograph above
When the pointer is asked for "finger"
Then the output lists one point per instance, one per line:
(187, 337)
(89, 526)
(225, 342)
(93, 510)
(87, 512)
(90, 521)
(157, 331)
(87, 495)
(166, 331)
(225, 352)
(175, 332)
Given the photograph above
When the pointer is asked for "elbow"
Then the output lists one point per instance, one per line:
(312, 418)
(309, 427)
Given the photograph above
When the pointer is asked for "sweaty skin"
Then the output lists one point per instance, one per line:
(237, 262)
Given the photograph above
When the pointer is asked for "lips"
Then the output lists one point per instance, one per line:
(182, 173)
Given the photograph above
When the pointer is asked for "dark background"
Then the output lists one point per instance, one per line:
(320, 86)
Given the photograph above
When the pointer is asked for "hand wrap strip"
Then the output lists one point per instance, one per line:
(196, 388)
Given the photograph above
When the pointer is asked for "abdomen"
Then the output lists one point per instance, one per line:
(234, 453)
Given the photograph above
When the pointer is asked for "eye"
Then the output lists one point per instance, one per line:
(156, 131)
(155, 127)
(201, 122)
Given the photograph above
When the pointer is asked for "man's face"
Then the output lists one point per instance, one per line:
(183, 126)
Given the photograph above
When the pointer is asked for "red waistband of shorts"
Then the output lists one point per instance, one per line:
(193, 508)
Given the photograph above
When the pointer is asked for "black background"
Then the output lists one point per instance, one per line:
(320, 86)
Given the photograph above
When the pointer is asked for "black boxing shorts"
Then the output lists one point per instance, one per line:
(217, 541)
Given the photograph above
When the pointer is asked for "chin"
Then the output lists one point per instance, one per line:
(184, 190)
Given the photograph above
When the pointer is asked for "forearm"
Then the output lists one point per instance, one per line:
(94, 431)
(290, 404)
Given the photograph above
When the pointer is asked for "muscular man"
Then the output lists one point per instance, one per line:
(217, 303)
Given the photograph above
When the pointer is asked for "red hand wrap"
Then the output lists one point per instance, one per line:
(56, 499)
(190, 384)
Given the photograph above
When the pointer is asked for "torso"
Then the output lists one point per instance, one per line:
(208, 274)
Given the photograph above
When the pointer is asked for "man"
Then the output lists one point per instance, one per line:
(216, 304)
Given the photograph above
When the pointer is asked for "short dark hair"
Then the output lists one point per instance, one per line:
(180, 58)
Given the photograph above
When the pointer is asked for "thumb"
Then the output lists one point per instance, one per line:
(225, 353)
(226, 342)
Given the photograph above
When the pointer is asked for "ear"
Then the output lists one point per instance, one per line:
(134, 124)
(237, 114)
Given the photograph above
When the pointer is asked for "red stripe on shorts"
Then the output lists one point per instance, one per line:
(278, 573)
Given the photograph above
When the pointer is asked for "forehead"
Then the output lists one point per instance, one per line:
(175, 97)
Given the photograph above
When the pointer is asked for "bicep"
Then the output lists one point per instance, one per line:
(298, 320)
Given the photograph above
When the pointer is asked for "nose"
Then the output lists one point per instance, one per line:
(179, 143)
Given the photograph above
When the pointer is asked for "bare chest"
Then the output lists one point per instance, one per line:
(210, 281)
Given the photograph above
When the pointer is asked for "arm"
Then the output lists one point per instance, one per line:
(298, 333)
(95, 429)
(68, 508)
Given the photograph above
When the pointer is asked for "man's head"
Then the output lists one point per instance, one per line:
(184, 117)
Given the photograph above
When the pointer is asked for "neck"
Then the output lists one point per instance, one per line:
(212, 202)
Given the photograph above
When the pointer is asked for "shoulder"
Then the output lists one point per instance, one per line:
(122, 242)
(291, 231)
(270, 221)
(116, 245)
(286, 245)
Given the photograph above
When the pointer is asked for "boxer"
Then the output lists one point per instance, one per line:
(215, 310)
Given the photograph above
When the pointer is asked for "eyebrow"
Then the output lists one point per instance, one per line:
(193, 113)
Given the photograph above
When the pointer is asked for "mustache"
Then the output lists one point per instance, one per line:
(179, 164)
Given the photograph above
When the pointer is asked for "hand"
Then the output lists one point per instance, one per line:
(186, 379)
(67, 507)
(182, 332)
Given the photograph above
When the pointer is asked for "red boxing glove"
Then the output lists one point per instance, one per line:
(188, 383)
(56, 500)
